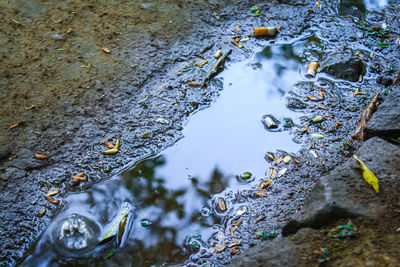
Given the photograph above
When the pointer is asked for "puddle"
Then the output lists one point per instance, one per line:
(174, 194)
(358, 8)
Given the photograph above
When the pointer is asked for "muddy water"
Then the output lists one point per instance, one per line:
(174, 194)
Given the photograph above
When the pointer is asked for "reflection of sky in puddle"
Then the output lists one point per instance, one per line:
(220, 142)
(358, 8)
(229, 135)
(374, 4)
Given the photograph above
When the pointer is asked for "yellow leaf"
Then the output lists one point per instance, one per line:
(368, 175)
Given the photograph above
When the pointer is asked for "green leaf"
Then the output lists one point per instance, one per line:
(116, 225)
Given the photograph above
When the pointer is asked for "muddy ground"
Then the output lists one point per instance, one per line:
(68, 95)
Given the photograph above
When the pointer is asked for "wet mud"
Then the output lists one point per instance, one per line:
(122, 71)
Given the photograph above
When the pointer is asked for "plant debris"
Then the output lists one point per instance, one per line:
(40, 156)
(113, 149)
(365, 117)
(368, 175)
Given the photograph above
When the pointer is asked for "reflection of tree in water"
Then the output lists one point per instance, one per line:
(160, 203)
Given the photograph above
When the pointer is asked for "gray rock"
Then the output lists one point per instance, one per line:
(385, 121)
(268, 253)
(344, 65)
(345, 194)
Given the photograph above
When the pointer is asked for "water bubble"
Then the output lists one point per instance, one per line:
(76, 233)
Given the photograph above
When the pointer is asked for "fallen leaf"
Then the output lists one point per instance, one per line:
(106, 50)
(194, 84)
(260, 193)
(279, 160)
(13, 126)
(264, 184)
(233, 244)
(234, 251)
(338, 124)
(54, 192)
(110, 151)
(42, 212)
(260, 219)
(368, 175)
(107, 144)
(41, 156)
(297, 162)
(52, 200)
(321, 107)
(238, 223)
(232, 231)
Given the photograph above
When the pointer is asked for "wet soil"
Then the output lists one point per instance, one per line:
(68, 96)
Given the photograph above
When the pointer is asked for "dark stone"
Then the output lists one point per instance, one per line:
(385, 81)
(268, 253)
(344, 65)
(345, 194)
(385, 122)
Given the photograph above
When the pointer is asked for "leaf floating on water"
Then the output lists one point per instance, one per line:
(368, 175)
(121, 228)
(246, 175)
(116, 225)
